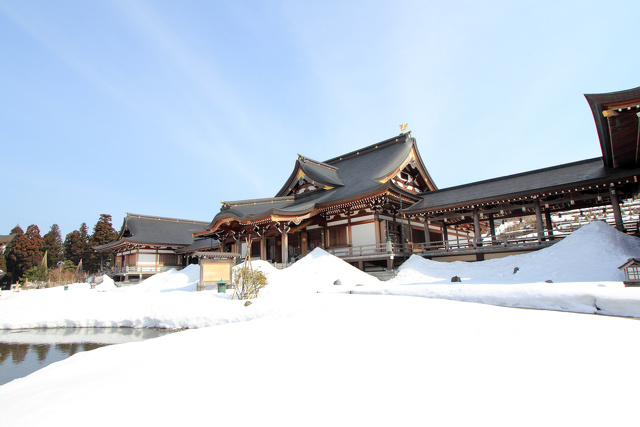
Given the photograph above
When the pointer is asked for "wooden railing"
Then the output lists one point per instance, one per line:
(510, 240)
(360, 251)
(145, 269)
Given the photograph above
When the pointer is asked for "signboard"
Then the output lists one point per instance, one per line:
(214, 270)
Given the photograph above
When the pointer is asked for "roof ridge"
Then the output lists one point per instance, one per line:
(515, 175)
(258, 201)
(161, 218)
(315, 162)
(381, 144)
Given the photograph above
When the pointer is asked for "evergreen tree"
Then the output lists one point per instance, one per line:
(103, 232)
(9, 255)
(53, 246)
(87, 251)
(74, 247)
(27, 250)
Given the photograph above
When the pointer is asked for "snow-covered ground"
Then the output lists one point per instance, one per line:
(308, 352)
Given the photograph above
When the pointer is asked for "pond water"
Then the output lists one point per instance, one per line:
(23, 351)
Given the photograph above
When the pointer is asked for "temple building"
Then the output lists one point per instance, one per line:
(379, 203)
(351, 205)
(377, 206)
(147, 245)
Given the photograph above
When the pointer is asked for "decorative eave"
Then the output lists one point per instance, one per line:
(519, 198)
(616, 115)
(318, 175)
(220, 255)
(384, 191)
(414, 159)
(120, 245)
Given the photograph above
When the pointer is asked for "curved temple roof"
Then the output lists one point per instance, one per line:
(617, 117)
(359, 174)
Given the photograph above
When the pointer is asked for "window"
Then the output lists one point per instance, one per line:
(633, 273)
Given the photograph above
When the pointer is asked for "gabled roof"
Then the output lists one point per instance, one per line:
(154, 230)
(630, 262)
(527, 183)
(321, 174)
(359, 174)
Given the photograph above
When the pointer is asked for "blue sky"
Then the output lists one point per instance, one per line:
(166, 108)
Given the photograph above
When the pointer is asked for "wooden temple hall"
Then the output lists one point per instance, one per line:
(376, 206)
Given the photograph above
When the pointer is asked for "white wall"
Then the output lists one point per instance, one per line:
(363, 234)
(147, 258)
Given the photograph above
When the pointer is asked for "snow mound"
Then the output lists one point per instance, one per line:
(317, 272)
(107, 284)
(172, 280)
(592, 253)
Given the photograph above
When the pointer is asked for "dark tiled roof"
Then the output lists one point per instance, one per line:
(358, 171)
(547, 179)
(199, 245)
(155, 230)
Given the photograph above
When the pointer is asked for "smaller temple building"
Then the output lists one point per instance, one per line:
(147, 245)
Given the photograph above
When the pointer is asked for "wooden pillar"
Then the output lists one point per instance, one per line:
(445, 234)
(547, 217)
(455, 228)
(492, 228)
(615, 204)
(304, 242)
(349, 241)
(285, 247)
(539, 226)
(477, 241)
(263, 247)
(427, 235)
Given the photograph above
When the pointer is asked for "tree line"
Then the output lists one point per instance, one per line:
(24, 256)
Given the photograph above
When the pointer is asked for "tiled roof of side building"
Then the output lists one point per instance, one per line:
(156, 230)
(202, 244)
(556, 177)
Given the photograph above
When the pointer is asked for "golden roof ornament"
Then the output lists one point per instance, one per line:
(403, 127)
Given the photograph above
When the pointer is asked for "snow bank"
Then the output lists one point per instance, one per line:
(586, 262)
(350, 360)
(592, 253)
(172, 280)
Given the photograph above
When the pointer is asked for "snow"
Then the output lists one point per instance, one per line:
(365, 352)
